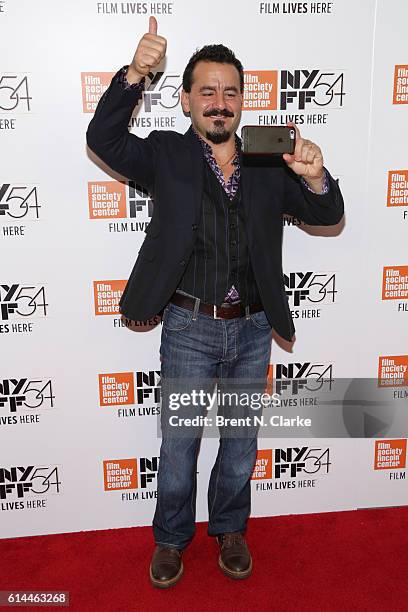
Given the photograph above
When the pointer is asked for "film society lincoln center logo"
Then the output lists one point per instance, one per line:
(94, 85)
(397, 192)
(121, 389)
(395, 283)
(107, 200)
(107, 295)
(400, 94)
(128, 475)
(390, 454)
(260, 90)
(393, 371)
(111, 200)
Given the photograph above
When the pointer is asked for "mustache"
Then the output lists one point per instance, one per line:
(217, 112)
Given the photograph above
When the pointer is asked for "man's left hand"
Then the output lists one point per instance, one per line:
(306, 161)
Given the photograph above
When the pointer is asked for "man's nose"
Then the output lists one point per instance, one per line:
(219, 100)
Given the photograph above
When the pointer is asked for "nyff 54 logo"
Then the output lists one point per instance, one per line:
(292, 461)
(163, 91)
(307, 376)
(22, 301)
(25, 393)
(298, 89)
(14, 94)
(310, 288)
(19, 481)
(311, 87)
(18, 201)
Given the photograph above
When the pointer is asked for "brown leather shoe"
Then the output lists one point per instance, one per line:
(166, 567)
(235, 559)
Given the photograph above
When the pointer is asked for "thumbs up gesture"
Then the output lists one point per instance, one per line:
(149, 53)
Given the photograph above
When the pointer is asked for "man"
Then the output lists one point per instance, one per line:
(212, 260)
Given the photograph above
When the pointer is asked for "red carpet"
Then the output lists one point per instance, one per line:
(348, 561)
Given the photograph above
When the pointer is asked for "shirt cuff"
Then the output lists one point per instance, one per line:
(124, 83)
(325, 188)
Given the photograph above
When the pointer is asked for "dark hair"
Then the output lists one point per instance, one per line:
(211, 53)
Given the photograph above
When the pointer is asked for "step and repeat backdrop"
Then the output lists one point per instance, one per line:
(79, 385)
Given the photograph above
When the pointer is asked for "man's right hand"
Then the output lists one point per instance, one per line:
(149, 53)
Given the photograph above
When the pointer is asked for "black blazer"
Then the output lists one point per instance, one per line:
(170, 166)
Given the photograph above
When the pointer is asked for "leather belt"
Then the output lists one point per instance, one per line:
(225, 311)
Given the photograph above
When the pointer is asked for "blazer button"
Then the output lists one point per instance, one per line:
(182, 262)
(194, 227)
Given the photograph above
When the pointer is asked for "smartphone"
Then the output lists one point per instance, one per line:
(267, 140)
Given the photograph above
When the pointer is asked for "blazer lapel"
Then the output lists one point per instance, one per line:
(246, 187)
(196, 167)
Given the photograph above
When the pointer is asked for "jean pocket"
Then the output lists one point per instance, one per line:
(260, 320)
(176, 318)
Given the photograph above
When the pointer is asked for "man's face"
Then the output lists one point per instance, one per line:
(215, 101)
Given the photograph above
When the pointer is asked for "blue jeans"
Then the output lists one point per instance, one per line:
(197, 347)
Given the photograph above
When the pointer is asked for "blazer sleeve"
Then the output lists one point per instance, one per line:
(109, 138)
(313, 209)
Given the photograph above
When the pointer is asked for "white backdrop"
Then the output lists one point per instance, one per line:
(337, 67)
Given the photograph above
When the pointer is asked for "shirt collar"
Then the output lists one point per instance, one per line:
(208, 152)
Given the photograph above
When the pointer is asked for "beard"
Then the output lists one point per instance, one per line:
(219, 134)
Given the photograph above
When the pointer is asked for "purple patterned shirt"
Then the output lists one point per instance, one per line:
(231, 186)
(124, 83)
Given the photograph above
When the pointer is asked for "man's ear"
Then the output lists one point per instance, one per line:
(185, 101)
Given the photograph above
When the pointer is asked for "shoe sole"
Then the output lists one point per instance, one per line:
(235, 575)
(165, 584)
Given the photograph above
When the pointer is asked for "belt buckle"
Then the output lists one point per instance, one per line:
(215, 313)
